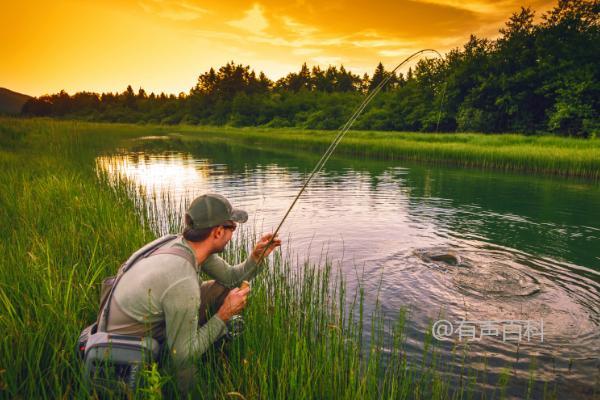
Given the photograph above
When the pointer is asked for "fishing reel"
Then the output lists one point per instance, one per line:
(235, 326)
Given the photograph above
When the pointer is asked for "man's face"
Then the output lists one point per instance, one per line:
(223, 235)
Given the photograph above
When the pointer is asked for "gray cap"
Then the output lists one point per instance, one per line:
(213, 209)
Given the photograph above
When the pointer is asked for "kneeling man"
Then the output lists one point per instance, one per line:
(164, 295)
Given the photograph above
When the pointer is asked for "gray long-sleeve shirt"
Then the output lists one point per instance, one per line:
(161, 294)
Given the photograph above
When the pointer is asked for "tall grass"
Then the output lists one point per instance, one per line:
(61, 232)
(549, 155)
(64, 228)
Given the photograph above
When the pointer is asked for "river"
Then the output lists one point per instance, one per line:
(490, 249)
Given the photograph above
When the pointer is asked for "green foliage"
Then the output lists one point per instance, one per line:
(152, 383)
(573, 112)
(11, 136)
(472, 119)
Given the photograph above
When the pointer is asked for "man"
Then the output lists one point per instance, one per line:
(164, 294)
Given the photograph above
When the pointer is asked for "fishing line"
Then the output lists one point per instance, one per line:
(340, 135)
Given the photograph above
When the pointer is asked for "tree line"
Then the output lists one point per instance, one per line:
(535, 77)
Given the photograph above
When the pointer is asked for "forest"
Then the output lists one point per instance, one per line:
(540, 75)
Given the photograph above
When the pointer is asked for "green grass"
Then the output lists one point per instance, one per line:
(64, 228)
(549, 155)
(61, 232)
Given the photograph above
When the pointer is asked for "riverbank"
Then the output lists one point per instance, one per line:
(548, 155)
(64, 229)
(543, 155)
(61, 232)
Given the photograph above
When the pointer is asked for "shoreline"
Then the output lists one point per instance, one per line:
(537, 155)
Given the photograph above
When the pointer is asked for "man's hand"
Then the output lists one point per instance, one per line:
(233, 303)
(259, 248)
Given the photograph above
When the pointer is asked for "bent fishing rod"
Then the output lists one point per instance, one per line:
(340, 135)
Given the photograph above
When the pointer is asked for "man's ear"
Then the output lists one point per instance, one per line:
(217, 232)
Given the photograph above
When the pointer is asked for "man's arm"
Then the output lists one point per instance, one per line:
(233, 276)
(181, 302)
(228, 275)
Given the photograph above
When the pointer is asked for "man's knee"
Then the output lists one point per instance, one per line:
(212, 291)
(212, 296)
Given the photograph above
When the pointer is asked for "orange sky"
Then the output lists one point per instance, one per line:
(163, 45)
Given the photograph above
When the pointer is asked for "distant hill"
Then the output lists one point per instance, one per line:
(11, 102)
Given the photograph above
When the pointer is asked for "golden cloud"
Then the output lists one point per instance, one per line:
(176, 10)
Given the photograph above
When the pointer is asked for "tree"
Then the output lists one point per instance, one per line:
(297, 81)
(128, 97)
(378, 76)
(346, 81)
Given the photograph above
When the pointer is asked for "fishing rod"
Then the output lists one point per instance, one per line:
(340, 135)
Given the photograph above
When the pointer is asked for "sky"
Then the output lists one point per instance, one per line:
(164, 45)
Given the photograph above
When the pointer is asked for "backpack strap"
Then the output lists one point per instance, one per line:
(176, 251)
(154, 248)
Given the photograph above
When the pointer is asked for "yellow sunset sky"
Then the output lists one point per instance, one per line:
(163, 45)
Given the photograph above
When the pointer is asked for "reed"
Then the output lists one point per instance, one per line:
(65, 227)
(547, 155)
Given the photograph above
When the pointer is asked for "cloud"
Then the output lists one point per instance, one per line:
(178, 10)
(382, 43)
(254, 20)
(297, 42)
(278, 31)
(478, 7)
(238, 52)
(297, 28)
(305, 51)
(395, 53)
(309, 44)
(235, 37)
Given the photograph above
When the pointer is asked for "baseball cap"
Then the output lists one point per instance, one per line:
(213, 209)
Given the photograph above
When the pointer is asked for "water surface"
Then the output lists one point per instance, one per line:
(445, 242)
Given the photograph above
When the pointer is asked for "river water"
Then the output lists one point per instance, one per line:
(510, 254)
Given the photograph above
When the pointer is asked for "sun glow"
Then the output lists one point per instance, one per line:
(164, 45)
